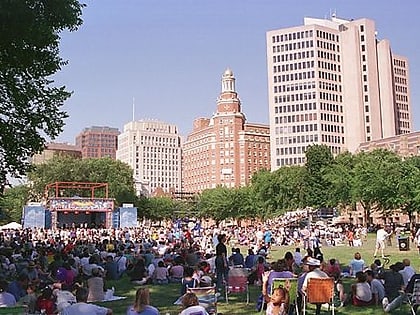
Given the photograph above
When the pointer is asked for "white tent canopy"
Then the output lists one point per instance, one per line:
(11, 225)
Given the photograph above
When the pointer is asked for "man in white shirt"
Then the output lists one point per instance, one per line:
(314, 272)
(381, 236)
(82, 307)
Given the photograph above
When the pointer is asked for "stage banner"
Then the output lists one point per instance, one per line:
(128, 217)
(33, 216)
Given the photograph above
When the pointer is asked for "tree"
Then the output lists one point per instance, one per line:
(376, 175)
(409, 186)
(117, 174)
(29, 55)
(318, 157)
(216, 203)
(12, 202)
(340, 175)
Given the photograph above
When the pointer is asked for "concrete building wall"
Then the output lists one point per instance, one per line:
(332, 82)
(153, 150)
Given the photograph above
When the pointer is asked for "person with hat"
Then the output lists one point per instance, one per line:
(314, 273)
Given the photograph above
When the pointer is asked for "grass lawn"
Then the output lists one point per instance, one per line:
(163, 296)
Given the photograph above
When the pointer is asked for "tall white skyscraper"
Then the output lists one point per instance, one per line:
(332, 82)
(153, 150)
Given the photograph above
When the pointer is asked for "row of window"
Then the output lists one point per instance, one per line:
(332, 128)
(155, 149)
(402, 98)
(326, 35)
(290, 161)
(328, 55)
(329, 76)
(293, 97)
(401, 80)
(327, 46)
(157, 162)
(293, 46)
(329, 86)
(290, 150)
(295, 66)
(402, 106)
(399, 63)
(294, 56)
(295, 118)
(294, 76)
(296, 86)
(329, 66)
(402, 72)
(295, 107)
(332, 118)
(292, 36)
(330, 97)
(401, 89)
(289, 129)
(331, 107)
(332, 139)
(297, 139)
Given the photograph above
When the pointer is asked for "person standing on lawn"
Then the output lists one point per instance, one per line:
(381, 236)
(222, 268)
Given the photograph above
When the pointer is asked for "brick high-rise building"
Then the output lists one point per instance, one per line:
(333, 82)
(153, 150)
(224, 149)
(97, 142)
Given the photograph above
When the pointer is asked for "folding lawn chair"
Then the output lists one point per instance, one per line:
(320, 291)
(207, 297)
(414, 298)
(237, 282)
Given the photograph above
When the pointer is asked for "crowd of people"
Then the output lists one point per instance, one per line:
(66, 270)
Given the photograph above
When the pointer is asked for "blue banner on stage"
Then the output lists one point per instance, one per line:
(33, 216)
(128, 217)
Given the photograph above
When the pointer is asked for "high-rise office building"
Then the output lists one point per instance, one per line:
(153, 150)
(98, 141)
(224, 149)
(333, 82)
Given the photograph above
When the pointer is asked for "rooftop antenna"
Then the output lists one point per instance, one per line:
(133, 107)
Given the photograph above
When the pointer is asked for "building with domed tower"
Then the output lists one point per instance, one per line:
(224, 149)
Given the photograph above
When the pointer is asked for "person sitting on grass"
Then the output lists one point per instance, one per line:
(82, 307)
(6, 299)
(378, 290)
(191, 305)
(161, 274)
(188, 281)
(142, 304)
(361, 292)
(356, 264)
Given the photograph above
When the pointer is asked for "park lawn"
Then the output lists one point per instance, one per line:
(163, 296)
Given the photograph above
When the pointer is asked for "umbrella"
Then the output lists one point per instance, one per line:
(11, 225)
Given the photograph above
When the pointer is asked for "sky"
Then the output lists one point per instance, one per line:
(169, 55)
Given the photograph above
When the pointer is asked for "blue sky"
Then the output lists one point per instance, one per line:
(170, 54)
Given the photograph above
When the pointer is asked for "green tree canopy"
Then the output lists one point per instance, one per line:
(318, 158)
(29, 56)
(12, 202)
(117, 174)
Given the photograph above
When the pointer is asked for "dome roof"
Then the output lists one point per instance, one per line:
(228, 72)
